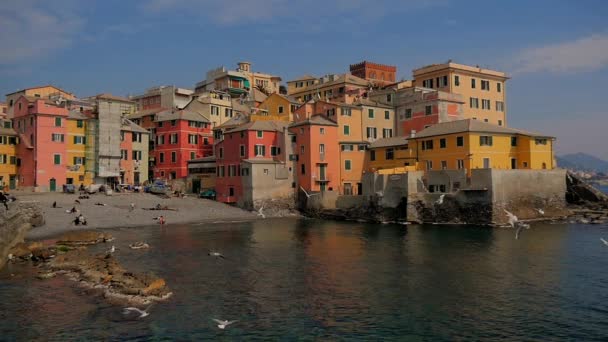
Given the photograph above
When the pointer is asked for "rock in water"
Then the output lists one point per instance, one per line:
(83, 237)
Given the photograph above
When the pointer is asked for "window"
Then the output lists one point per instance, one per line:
(389, 154)
(427, 145)
(371, 133)
(387, 115)
(124, 154)
(136, 137)
(79, 123)
(259, 134)
(500, 106)
(242, 150)
(322, 130)
(427, 83)
(302, 149)
(322, 148)
(173, 157)
(348, 147)
(389, 97)
(173, 122)
(260, 150)
(428, 110)
(525, 164)
(444, 164)
(275, 151)
(57, 159)
(499, 87)
(485, 120)
(485, 85)
(346, 130)
(345, 111)
(160, 140)
(280, 109)
(387, 132)
(372, 155)
(79, 140)
(486, 163)
(347, 165)
(57, 122)
(459, 141)
(227, 112)
(173, 138)
(136, 155)
(474, 102)
(408, 113)
(485, 140)
(370, 113)
(485, 104)
(348, 189)
(473, 83)
(442, 81)
(122, 135)
(538, 141)
(499, 122)
(221, 152)
(442, 143)
(57, 137)
(231, 170)
(161, 157)
(244, 171)
(429, 164)
(160, 124)
(215, 110)
(193, 139)
(460, 164)
(78, 160)
(456, 80)
(303, 168)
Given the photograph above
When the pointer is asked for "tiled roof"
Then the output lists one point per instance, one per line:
(182, 114)
(471, 125)
(343, 78)
(273, 126)
(314, 120)
(388, 142)
(8, 131)
(371, 103)
(258, 95)
(302, 78)
(108, 96)
(140, 114)
(44, 86)
(128, 125)
(76, 114)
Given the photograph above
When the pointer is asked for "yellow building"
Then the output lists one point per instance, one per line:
(340, 88)
(76, 149)
(471, 144)
(390, 155)
(8, 156)
(275, 107)
(483, 90)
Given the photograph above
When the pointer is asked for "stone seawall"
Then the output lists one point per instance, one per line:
(15, 223)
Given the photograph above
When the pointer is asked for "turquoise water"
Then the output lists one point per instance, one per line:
(289, 279)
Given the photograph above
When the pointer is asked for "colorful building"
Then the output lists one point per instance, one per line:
(76, 141)
(344, 88)
(316, 153)
(377, 74)
(252, 164)
(472, 144)
(483, 90)
(8, 155)
(42, 92)
(181, 135)
(419, 108)
(163, 97)
(42, 129)
(216, 106)
(133, 153)
(238, 82)
(390, 155)
(275, 107)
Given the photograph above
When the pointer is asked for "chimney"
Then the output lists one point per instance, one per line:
(413, 133)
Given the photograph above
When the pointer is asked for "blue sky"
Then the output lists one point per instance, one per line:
(555, 51)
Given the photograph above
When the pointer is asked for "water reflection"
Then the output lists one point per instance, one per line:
(290, 279)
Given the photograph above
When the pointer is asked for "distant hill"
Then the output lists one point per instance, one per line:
(583, 162)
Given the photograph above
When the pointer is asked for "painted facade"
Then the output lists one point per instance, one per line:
(214, 105)
(391, 155)
(238, 82)
(377, 74)
(181, 135)
(163, 97)
(76, 140)
(42, 92)
(483, 91)
(275, 107)
(344, 88)
(318, 155)
(8, 156)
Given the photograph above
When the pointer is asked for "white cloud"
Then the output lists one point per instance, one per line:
(33, 29)
(584, 54)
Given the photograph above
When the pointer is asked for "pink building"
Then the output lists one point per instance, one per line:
(181, 135)
(252, 165)
(318, 154)
(42, 129)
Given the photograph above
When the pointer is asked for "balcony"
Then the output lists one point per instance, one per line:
(321, 178)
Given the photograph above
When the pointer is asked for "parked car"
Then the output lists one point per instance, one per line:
(208, 194)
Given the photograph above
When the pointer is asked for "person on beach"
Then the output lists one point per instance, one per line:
(81, 189)
(161, 220)
(4, 200)
(73, 210)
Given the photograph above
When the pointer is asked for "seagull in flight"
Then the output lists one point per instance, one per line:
(604, 241)
(440, 200)
(514, 222)
(216, 255)
(512, 218)
(142, 313)
(307, 194)
(223, 324)
(260, 213)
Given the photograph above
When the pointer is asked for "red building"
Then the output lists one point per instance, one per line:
(239, 153)
(379, 74)
(181, 135)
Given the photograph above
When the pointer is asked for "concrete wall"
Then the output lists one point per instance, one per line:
(107, 140)
(451, 180)
(266, 181)
(14, 224)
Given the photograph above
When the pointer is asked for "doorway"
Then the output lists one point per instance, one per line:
(52, 184)
(12, 182)
(513, 163)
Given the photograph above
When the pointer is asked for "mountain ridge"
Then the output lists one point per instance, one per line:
(581, 161)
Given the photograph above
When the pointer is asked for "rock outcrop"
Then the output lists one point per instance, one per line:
(14, 224)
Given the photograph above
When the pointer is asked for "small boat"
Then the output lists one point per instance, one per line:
(159, 188)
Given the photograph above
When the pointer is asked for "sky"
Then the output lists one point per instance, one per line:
(555, 51)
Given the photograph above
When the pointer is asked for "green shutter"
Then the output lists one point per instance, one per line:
(57, 159)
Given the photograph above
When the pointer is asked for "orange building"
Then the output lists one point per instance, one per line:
(378, 74)
(316, 153)
(43, 92)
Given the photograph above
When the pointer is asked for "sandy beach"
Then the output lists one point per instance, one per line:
(116, 212)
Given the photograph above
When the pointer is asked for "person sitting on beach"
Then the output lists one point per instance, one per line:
(73, 210)
(55, 204)
(4, 200)
(158, 207)
(81, 220)
(81, 189)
